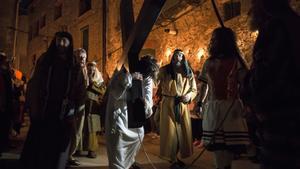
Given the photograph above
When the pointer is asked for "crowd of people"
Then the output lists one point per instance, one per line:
(12, 104)
(233, 106)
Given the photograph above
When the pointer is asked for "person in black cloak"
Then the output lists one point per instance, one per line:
(271, 88)
(54, 91)
(6, 94)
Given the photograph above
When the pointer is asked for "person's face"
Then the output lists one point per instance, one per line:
(91, 70)
(81, 58)
(177, 59)
(62, 44)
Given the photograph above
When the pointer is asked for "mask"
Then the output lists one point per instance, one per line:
(178, 64)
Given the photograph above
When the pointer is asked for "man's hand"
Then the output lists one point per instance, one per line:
(185, 98)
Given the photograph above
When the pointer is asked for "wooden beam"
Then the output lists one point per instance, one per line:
(140, 31)
(127, 19)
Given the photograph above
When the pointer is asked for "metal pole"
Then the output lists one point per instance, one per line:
(15, 35)
(217, 13)
(104, 34)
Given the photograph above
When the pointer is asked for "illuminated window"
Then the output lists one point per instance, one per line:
(85, 38)
(231, 9)
(84, 6)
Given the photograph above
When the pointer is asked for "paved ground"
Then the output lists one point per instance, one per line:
(151, 145)
(152, 149)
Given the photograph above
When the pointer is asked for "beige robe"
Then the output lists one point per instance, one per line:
(175, 136)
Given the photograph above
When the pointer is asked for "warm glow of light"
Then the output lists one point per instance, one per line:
(160, 63)
(187, 51)
(255, 34)
(168, 53)
(18, 74)
(200, 53)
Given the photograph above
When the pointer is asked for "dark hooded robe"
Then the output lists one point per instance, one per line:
(5, 107)
(56, 88)
(272, 88)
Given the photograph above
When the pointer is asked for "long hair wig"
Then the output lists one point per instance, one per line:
(223, 44)
(148, 66)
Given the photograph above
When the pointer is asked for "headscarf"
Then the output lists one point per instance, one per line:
(187, 71)
(51, 53)
(97, 76)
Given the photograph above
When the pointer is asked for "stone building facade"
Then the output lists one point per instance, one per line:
(7, 20)
(187, 25)
(21, 62)
(13, 33)
(82, 18)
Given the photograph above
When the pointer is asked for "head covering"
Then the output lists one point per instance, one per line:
(187, 71)
(51, 53)
(92, 63)
(148, 66)
(97, 76)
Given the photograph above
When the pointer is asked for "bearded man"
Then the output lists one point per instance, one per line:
(178, 88)
(55, 89)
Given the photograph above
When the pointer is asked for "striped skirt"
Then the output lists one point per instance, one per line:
(224, 127)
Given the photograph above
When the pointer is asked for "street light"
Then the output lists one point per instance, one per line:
(15, 34)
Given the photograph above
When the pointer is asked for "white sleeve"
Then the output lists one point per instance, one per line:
(148, 90)
(121, 82)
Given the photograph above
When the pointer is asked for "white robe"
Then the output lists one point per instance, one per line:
(123, 143)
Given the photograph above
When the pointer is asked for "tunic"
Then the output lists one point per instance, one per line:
(122, 142)
(223, 124)
(174, 134)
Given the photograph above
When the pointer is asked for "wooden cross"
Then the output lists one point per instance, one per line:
(135, 34)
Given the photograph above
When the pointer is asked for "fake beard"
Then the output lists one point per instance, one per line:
(61, 50)
(178, 64)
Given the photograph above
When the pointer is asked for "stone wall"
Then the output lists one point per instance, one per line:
(74, 24)
(7, 20)
(194, 26)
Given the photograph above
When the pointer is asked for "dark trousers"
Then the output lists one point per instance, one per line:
(5, 125)
(197, 128)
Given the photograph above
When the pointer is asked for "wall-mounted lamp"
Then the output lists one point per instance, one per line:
(160, 63)
(171, 32)
(200, 53)
(168, 54)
